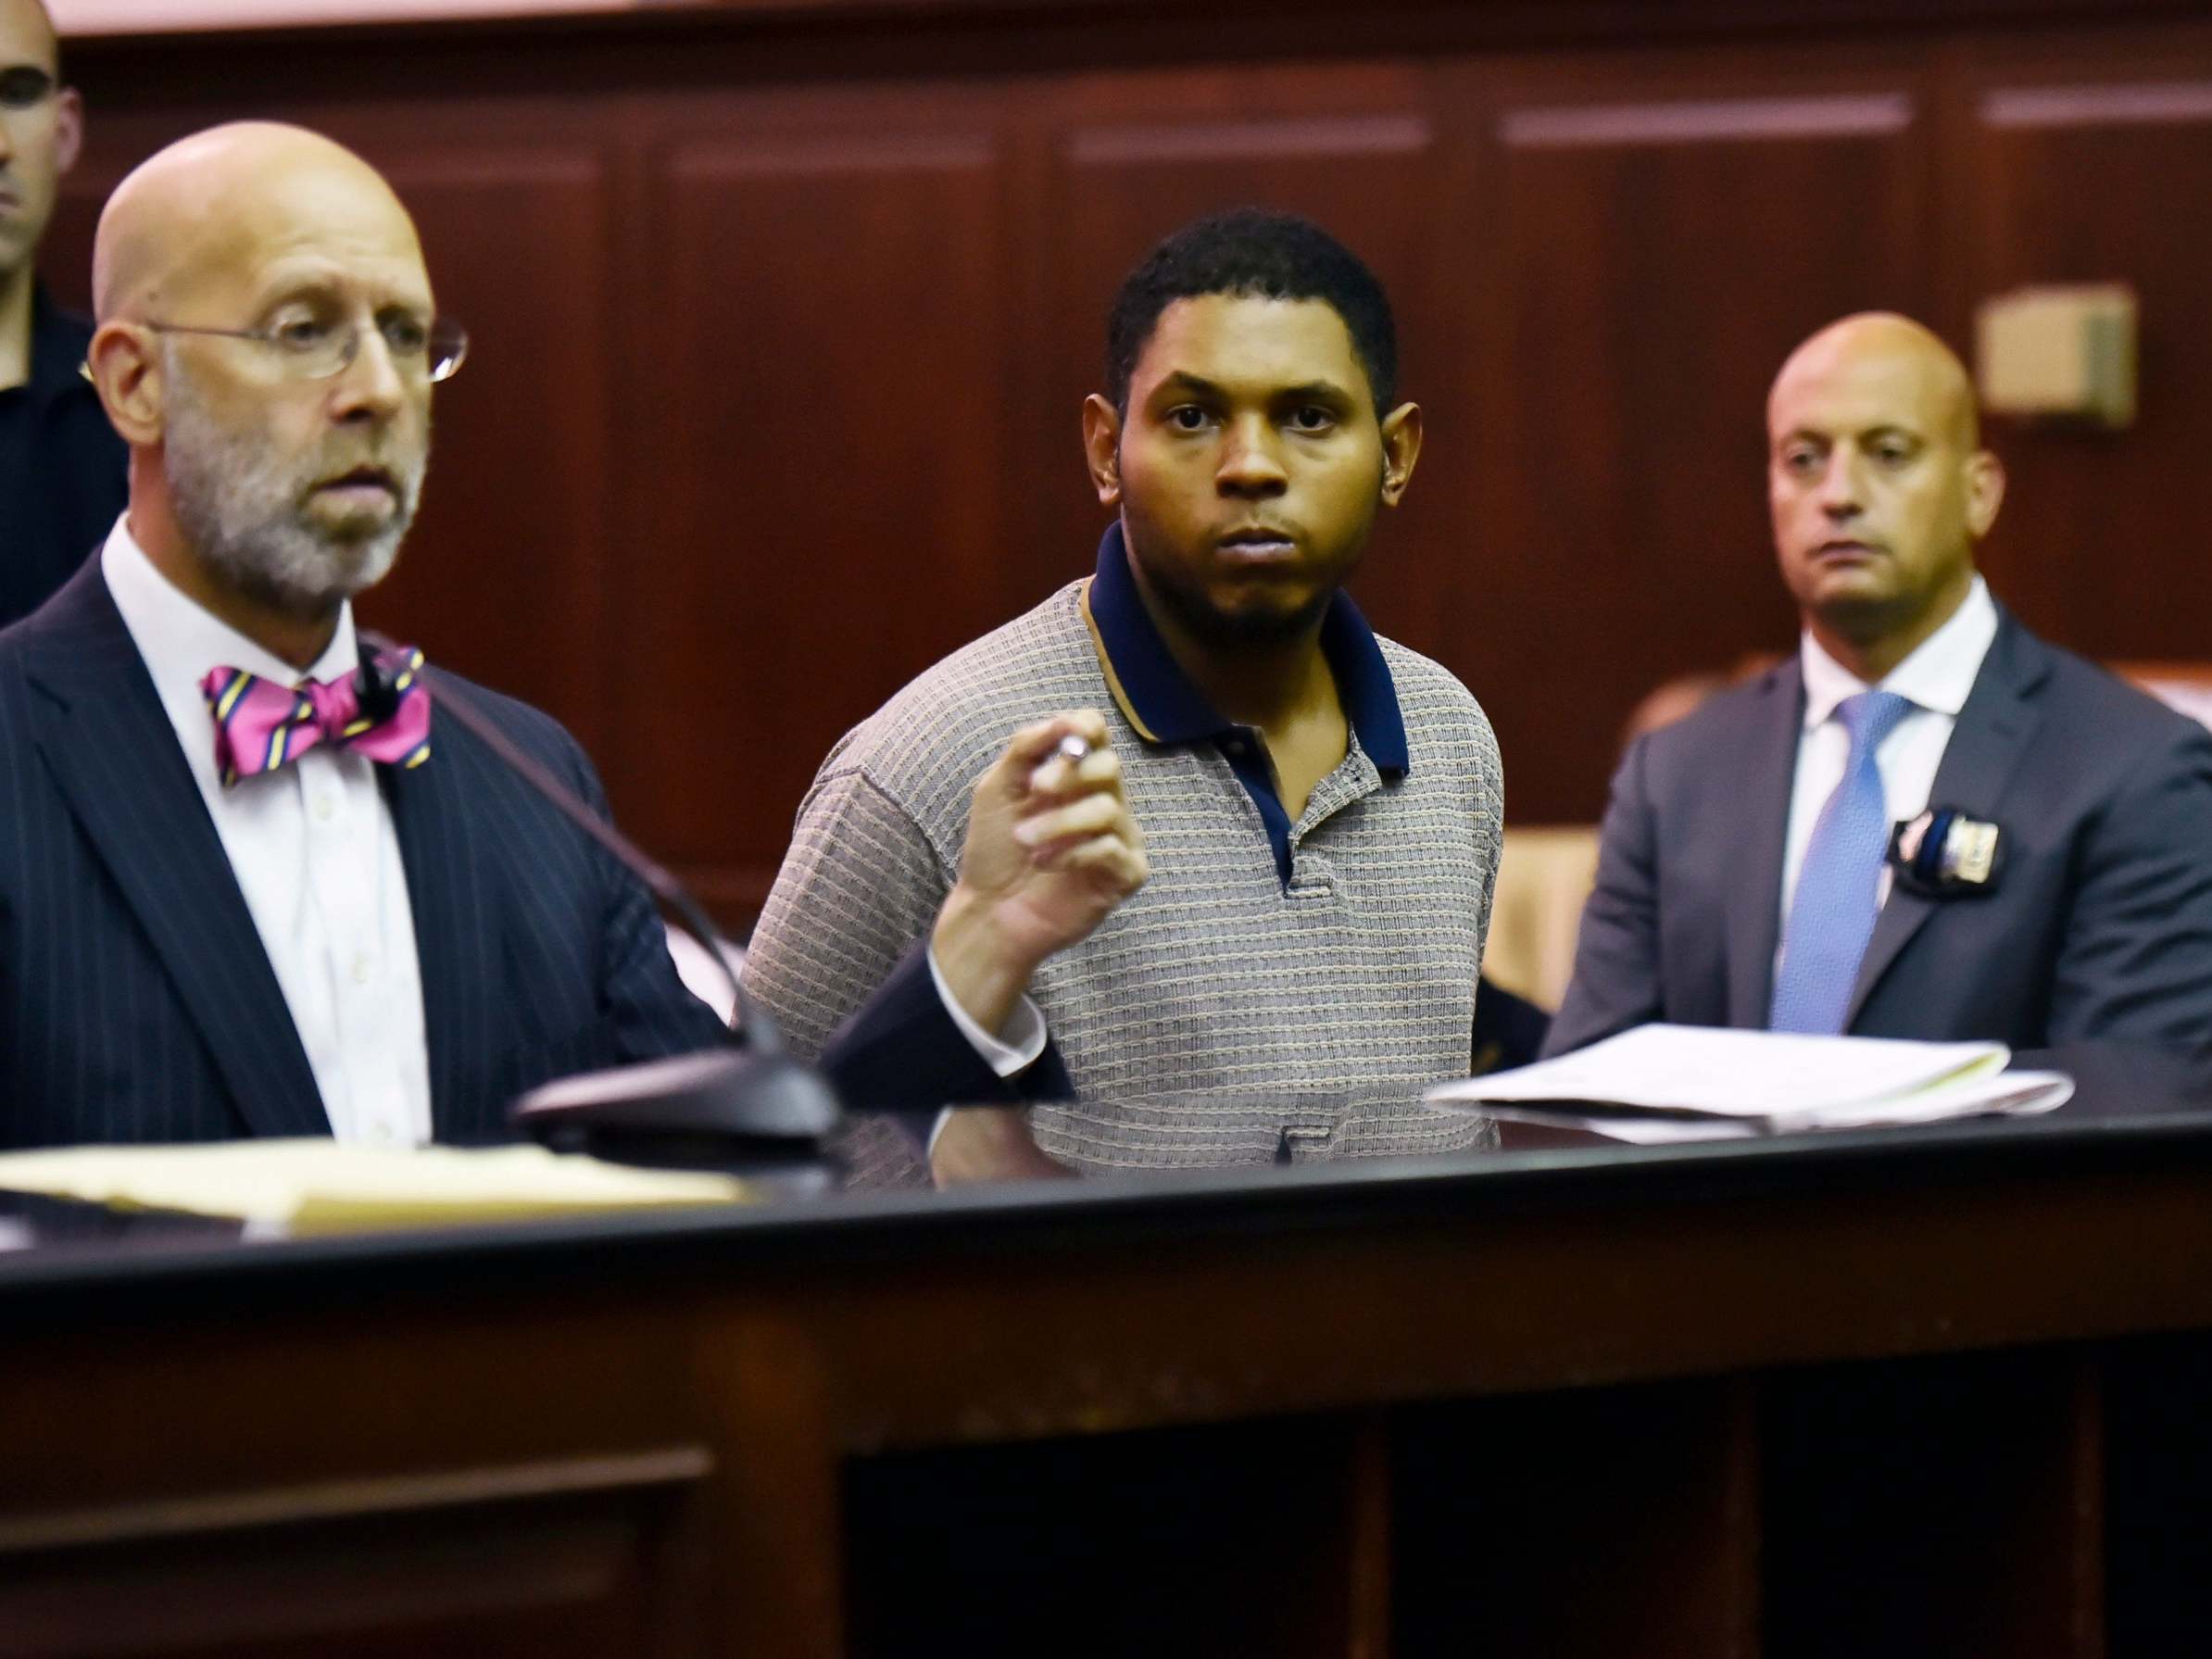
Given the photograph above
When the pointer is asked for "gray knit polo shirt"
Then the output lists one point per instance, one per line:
(1221, 1014)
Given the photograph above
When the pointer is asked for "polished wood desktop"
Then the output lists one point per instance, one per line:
(1931, 1391)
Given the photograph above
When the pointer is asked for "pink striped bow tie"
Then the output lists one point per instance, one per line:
(261, 725)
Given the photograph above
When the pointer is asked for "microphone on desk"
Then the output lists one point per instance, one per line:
(748, 1103)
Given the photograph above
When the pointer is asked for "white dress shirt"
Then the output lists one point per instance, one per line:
(1013, 1050)
(1935, 679)
(315, 854)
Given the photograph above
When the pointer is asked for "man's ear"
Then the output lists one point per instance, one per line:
(125, 361)
(1985, 492)
(1102, 449)
(1402, 450)
(68, 129)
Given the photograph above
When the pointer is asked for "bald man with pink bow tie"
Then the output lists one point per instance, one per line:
(250, 882)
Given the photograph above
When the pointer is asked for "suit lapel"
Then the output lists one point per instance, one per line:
(455, 901)
(1994, 728)
(1753, 882)
(113, 754)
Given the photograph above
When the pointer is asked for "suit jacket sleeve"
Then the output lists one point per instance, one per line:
(2135, 961)
(902, 1054)
(1616, 983)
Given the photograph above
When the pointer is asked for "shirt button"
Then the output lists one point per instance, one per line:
(325, 808)
(363, 968)
(380, 1131)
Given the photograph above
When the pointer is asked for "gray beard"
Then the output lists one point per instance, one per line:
(240, 509)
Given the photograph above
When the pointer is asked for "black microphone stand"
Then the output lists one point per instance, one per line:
(741, 1107)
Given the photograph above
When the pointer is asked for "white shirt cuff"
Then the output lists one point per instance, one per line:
(1024, 1033)
(1014, 1051)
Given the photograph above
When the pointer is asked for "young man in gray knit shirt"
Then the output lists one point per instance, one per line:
(1320, 807)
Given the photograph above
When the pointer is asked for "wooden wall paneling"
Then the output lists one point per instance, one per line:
(774, 1526)
(2092, 168)
(1365, 1548)
(2158, 1470)
(1227, 1539)
(1934, 1506)
(809, 41)
(503, 576)
(1565, 1525)
(1043, 469)
(65, 257)
(571, 1556)
(823, 419)
(496, 1481)
(2083, 1527)
(1354, 146)
(1663, 235)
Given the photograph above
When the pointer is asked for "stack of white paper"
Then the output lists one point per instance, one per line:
(1668, 1083)
(320, 1186)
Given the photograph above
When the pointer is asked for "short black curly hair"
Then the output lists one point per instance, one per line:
(1254, 253)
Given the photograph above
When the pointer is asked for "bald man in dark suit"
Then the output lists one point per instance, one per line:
(2051, 881)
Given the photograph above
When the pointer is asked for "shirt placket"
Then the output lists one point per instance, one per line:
(1312, 872)
(343, 865)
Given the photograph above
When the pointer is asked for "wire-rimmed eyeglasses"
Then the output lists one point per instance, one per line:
(316, 350)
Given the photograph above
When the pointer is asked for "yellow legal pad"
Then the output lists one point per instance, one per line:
(318, 1185)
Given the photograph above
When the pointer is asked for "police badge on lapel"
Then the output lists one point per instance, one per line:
(1946, 854)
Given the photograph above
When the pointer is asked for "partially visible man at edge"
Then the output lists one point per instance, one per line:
(1321, 807)
(234, 897)
(1741, 876)
(61, 464)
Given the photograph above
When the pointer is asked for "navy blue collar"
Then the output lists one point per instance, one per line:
(1160, 701)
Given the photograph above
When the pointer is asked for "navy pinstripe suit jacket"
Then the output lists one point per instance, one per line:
(137, 1003)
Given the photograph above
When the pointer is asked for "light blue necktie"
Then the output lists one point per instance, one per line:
(1831, 916)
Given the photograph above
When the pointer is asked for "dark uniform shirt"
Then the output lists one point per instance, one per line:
(62, 468)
